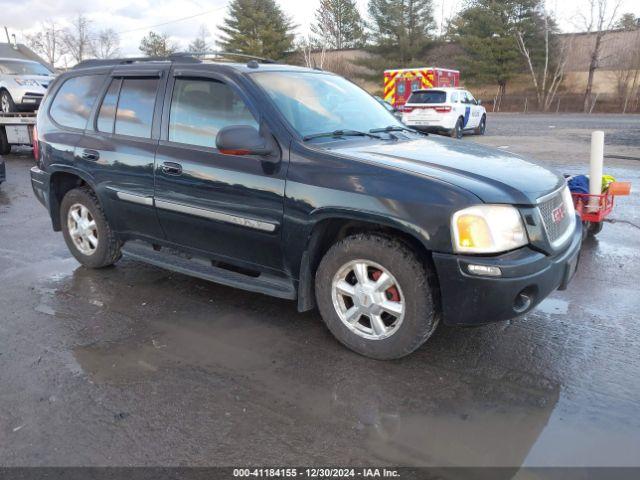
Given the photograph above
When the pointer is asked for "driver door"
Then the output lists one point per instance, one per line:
(474, 111)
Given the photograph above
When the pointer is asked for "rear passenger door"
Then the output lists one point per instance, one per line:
(119, 148)
(228, 206)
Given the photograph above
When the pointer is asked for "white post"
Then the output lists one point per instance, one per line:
(595, 167)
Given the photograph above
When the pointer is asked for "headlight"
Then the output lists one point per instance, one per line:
(26, 82)
(487, 229)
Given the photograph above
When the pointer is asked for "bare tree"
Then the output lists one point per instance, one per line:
(547, 78)
(77, 38)
(107, 44)
(47, 42)
(600, 18)
(628, 79)
(200, 43)
(313, 51)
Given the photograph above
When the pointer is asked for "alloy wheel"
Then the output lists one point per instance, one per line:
(83, 229)
(368, 299)
(4, 103)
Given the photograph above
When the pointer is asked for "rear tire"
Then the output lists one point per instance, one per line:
(356, 265)
(456, 132)
(86, 230)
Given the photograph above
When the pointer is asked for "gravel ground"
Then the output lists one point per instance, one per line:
(134, 365)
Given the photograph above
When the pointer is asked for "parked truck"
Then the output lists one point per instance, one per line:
(399, 83)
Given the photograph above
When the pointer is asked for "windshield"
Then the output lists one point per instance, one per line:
(14, 67)
(314, 103)
(431, 96)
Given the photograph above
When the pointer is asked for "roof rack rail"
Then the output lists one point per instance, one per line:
(100, 62)
(221, 53)
(191, 57)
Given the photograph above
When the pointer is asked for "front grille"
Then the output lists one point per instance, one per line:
(556, 229)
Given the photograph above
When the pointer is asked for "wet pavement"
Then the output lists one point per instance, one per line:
(134, 365)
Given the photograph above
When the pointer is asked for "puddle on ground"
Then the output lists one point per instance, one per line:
(553, 306)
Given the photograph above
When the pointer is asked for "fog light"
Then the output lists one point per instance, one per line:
(485, 270)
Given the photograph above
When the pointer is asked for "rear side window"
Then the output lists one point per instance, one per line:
(107, 115)
(430, 96)
(134, 113)
(200, 108)
(73, 103)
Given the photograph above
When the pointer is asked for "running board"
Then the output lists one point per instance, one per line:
(203, 268)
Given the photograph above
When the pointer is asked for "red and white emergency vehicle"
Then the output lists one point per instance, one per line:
(399, 83)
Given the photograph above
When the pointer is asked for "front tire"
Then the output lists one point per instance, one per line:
(86, 230)
(482, 127)
(456, 132)
(375, 296)
(7, 104)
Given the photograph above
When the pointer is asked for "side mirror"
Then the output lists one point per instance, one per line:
(242, 140)
(478, 102)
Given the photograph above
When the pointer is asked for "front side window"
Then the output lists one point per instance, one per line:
(134, 114)
(201, 108)
(73, 103)
(315, 102)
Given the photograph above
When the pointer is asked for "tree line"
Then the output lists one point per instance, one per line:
(500, 39)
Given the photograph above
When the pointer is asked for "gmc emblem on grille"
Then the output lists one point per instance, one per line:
(558, 214)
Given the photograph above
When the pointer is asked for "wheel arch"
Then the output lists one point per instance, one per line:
(63, 180)
(330, 228)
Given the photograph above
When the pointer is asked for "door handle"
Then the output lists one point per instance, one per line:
(90, 155)
(171, 168)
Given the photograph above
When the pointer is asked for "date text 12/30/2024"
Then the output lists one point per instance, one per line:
(315, 473)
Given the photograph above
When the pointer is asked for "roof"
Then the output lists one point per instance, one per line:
(254, 64)
(400, 70)
(444, 89)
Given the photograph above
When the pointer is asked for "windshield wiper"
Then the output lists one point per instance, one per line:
(395, 128)
(341, 133)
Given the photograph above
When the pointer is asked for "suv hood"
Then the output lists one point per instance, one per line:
(495, 176)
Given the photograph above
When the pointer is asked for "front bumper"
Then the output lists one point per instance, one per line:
(40, 185)
(30, 101)
(469, 299)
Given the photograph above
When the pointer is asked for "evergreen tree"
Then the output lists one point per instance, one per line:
(157, 45)
(401, 28)
(339, 24)
(628, 21)
(257, 27)
(487, 32)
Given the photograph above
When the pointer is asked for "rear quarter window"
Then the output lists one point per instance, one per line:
(74, 100)
(432, 96)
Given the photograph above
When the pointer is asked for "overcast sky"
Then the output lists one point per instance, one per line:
(182, 18)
